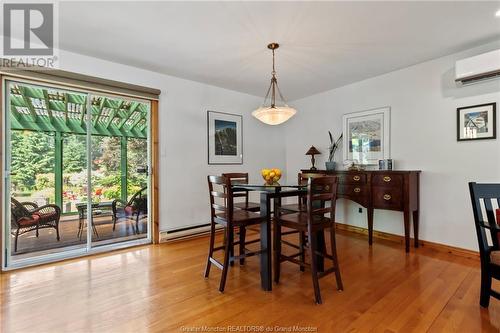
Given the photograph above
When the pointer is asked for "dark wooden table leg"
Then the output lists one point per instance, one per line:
(406, 215)
(276, 241)
(415, 227)
(265, 242)
(370, 225)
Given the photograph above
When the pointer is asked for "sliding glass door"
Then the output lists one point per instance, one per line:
(76, 172)
(119, 170)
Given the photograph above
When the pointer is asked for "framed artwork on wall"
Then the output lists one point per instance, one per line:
(225, 138)
(366, 136)
(477, 122)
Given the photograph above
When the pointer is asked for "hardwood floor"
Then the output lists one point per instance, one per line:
(161, 289)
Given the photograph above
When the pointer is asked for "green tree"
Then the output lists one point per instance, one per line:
(74, 153)
(32, 153)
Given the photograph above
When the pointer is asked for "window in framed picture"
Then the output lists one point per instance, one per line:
(225, 138)
(367, 136)
(477, 122)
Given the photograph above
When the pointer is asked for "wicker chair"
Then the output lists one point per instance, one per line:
(135, 206)
(27, 216)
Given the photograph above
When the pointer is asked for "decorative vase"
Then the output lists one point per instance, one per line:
(330, 165)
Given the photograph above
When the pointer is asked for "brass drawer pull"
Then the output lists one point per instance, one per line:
(387, 197)
(387, 179)
(357, 189)
(356, 178)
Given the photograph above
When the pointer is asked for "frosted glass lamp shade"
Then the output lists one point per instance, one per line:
(274, 115)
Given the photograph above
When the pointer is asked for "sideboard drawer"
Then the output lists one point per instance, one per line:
(353, 190)
(387, 179)
(352, 178)
(387, 197)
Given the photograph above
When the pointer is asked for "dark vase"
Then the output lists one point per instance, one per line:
(330, 165)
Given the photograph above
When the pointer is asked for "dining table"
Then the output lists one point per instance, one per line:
(270, 198)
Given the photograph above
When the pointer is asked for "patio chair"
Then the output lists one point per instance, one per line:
(135, 206)
(27, 216)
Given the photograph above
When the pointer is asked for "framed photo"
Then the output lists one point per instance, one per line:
(225, 138)
(477, 122)
(367, 136)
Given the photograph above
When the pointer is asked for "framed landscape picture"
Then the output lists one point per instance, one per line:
(367, 136)
(225, 138)
(477, 122)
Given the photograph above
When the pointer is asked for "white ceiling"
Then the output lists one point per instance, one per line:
(323, 44)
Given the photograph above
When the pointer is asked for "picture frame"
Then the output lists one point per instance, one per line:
(477, 122)
(224, 138)
(367, 136)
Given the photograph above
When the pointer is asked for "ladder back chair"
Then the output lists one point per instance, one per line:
(241, 178)
(486, 199)
(311, 222)
(300, 206)
(222, 212)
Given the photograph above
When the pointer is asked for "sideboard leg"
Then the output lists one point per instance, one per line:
(370, 225)
(415, 227)
(406, 215)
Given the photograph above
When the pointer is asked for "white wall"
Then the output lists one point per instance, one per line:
(183, 136)
(423, 100)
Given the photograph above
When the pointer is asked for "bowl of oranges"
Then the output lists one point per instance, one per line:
(271, 176)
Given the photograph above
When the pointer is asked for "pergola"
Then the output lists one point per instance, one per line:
(49, 110)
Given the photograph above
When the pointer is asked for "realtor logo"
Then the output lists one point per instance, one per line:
(29, 36)
(28, 29)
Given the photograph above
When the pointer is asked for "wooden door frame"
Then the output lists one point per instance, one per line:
(155, 173)
(2, 135)
(155, 158)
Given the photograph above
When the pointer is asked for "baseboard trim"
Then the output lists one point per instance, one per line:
(464, 253)
(204, 230)
(187, 233)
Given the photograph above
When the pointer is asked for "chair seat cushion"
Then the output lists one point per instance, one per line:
(252, 206)
(242, 217)
(29, 221)
(47, 216)
(299, 221)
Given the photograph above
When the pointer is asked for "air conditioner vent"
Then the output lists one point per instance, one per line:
(478, 68)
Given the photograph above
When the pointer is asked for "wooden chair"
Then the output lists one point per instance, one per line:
(242, 178)
(223, 213)
(301, 205)
(484, 197)
(27, 216)
(311, 222)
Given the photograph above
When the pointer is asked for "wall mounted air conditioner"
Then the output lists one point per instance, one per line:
(485, 66)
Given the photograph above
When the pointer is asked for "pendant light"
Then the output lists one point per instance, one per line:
(274, 114)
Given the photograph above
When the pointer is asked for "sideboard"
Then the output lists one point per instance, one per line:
(396, 190)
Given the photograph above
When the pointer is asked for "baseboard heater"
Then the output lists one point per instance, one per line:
(186, 233)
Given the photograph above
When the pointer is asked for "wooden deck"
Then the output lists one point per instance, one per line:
(68, 228)
(160, 288)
